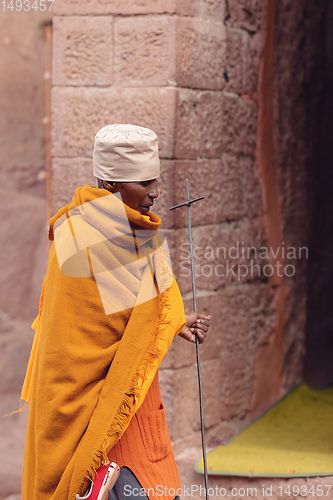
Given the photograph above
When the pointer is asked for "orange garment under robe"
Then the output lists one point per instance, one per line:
(146, 449)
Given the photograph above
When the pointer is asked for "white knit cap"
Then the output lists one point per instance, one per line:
(126, 153)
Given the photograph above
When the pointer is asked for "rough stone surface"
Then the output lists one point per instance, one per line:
(23, 243)
(230, 187)
(247, 15)
(253, 49)
(294, 343)
(182, 353)
(166, 197)
(12, 435)
(239, 125)
(234, 186)
(15, 343)
(203, 9)
(200, 53)
(207, 9)
(188, 7)
(236, 383)
(23, 221)
(67, 175)
(293, 363)
(224, 254)
(247, 310)
(206, 179)
(211, 373)
(145, 51)
(82, 50)
(241, 193)
(214, 9)
(242, 61)
(199, 124)
(303, 162)
(22, 100)
(73, 133)
(235, 60)
(121, 7)
(186, 402)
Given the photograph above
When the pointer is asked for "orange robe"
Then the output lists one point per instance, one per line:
(109, 310)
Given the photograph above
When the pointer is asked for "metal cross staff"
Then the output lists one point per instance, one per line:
(188, 204)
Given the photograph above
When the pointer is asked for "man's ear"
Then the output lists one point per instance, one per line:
(108, 185)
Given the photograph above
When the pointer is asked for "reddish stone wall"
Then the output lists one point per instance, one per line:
(229, 117)
(291, 156)
(158, 66)
(23, 220)
(163, 66)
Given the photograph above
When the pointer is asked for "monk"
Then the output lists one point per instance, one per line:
(109, 310)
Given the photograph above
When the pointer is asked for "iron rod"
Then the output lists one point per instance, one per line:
(188, 203)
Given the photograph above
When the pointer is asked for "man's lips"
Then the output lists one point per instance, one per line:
(147, 206)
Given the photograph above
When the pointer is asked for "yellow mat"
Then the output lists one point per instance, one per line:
(292, 439)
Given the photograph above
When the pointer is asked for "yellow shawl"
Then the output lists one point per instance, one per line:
(109, 310)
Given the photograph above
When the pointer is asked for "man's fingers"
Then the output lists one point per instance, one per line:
(201, 334)
(201, 326)
(187, 335)
(204, 316)
(202, 323)
(197, 325)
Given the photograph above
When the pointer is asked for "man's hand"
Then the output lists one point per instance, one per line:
(196, 325)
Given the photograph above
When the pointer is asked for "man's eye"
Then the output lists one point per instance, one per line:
(145, 183)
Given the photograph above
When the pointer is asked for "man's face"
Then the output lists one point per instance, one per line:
(138, 195)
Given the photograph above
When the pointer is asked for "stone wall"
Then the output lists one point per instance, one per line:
(23, 220)
(178, 70)
(183, 71)
(291, 156)
(212, 83)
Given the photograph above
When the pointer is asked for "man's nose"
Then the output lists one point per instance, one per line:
(153, 190)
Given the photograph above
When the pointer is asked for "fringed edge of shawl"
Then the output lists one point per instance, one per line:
(124, 412)
(22, 407)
